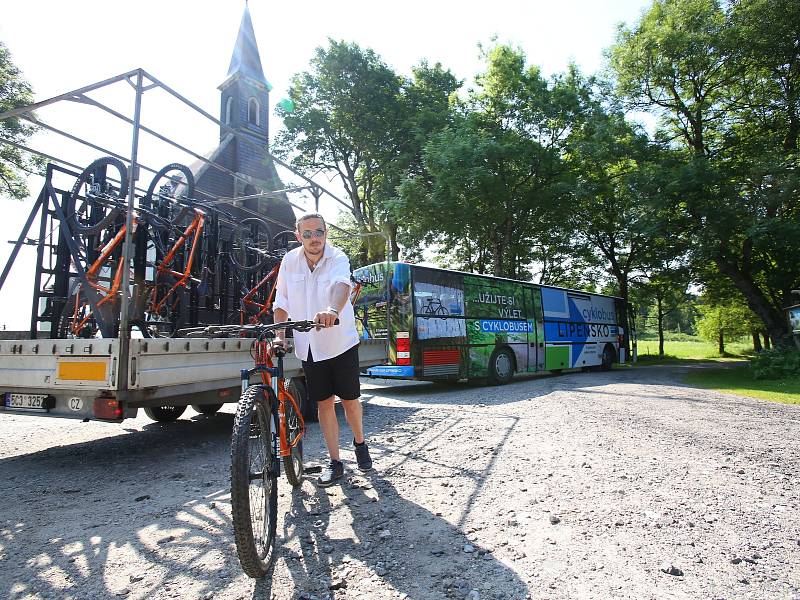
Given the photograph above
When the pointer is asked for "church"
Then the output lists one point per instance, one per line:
(244, 107)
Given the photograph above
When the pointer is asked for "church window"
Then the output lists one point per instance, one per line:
(229, 110)
(252, 112)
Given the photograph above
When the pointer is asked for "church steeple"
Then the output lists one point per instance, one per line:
(245, 91)
(246, 60)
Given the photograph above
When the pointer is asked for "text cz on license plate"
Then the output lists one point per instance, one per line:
(26, 401)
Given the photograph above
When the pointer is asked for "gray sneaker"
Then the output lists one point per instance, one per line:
(330, 474)
(363, 458)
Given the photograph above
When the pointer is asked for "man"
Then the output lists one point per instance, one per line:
(314, 283)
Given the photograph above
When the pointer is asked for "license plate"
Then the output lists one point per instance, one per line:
(26, 401)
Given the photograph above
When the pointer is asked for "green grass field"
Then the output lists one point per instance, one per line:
(732, 379)
(698, 350)
(738, 380)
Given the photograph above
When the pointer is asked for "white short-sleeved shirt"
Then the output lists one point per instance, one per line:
(303, 293)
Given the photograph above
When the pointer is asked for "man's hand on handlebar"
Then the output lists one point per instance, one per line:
(326, 318)
(279, 347)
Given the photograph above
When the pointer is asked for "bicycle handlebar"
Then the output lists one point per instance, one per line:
(258, 330)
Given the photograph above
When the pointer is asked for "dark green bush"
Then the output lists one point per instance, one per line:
(777, 363)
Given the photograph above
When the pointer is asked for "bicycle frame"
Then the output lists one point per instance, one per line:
(272, 376)
(248, 299)
(194, 229)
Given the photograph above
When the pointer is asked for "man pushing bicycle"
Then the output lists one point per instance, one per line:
(314, 283)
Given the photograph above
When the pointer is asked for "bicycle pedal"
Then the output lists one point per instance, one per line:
(313, 469)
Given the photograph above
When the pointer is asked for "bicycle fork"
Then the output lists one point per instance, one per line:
(274, 427)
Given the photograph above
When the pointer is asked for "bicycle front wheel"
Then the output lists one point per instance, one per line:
(254, 481)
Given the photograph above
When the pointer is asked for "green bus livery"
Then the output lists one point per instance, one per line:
(444, 324)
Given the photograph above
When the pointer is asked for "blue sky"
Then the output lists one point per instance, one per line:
(187, 44)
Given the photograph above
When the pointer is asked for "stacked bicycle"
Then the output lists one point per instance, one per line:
(189, 259)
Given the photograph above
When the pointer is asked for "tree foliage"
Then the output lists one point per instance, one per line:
(491, 182)
(715, 75)
(14, 162)
(355, 117)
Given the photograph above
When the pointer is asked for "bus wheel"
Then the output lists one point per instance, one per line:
(608, 359)
(164, 414)
(501, 367)
(207, 409)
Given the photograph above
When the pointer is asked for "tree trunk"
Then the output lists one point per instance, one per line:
(775, 322)
(497, 259)
(660, 313)
(395, 249)
(756, 341)
(721, 346)
(767, 343)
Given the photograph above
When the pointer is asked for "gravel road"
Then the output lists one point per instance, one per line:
(587, 485)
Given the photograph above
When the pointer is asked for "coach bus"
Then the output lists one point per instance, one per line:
(445, 324)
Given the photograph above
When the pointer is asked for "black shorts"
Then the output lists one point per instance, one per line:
(337, 376)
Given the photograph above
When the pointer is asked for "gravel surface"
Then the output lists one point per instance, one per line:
(586, 485)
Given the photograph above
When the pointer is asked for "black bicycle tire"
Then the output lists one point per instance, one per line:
(253, 563)
(190, 183)
(260, 262)
(83, 178)
(293, 464)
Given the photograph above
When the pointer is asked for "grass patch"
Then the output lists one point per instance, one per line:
(697, 350)
(739, 380)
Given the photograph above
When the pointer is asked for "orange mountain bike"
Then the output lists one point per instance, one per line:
(268, 430)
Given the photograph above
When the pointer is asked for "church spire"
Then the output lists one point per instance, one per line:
(246, 61)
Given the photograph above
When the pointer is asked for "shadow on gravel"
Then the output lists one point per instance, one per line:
(145, 514)
(404, 548)
(132, 515)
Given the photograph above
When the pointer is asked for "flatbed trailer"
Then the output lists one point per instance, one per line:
(79, 378)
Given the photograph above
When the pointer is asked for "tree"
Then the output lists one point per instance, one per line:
(355, 117)
(706, 73)
(346, 120)
(617, 206)
(14, 162)
(722, 321)
(491, 180)
(665, 287)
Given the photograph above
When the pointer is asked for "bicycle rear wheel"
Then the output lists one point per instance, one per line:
(167, 182)
(254, 481)
(293, 464)
(90, 214)
(250, 244)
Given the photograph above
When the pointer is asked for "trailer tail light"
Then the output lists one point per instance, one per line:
(108, 409)
(403, 348)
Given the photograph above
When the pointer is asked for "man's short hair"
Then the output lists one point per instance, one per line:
(311, 215)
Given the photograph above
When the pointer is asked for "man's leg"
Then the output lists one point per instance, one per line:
(355, 416)
(329, 425)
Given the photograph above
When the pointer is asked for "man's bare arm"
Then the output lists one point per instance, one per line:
(339, 296)
(280, 316)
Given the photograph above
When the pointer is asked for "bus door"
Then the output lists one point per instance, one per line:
(533, 308)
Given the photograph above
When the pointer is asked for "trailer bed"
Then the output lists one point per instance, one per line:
(77, 378)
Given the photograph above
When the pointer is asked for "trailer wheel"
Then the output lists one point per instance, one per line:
(297, 387)
(207, 409)
(501, 366)
(164, 414)
(608, 358)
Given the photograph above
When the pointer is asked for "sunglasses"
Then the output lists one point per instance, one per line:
(309, 233)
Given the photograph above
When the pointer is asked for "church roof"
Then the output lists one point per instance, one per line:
(246, 60)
